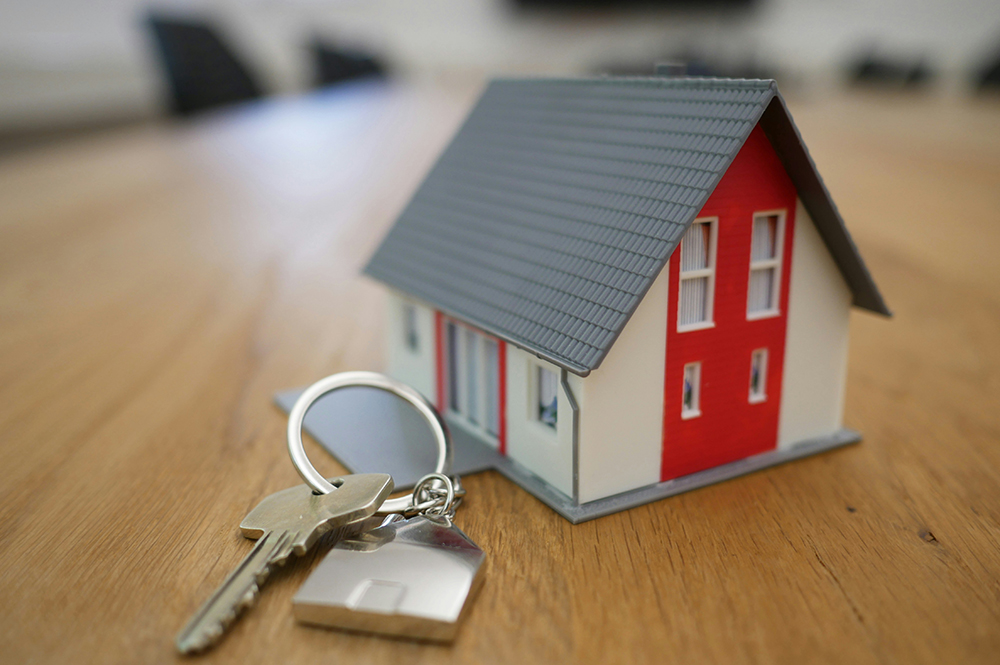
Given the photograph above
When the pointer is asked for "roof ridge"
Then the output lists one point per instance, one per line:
(660, 81)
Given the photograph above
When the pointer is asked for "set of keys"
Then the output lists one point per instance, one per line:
(399, 567)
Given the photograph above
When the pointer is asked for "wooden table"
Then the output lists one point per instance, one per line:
(157, 285)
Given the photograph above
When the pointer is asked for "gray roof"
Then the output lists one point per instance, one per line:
(558, 202)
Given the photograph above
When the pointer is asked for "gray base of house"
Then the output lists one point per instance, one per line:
(371, 432)
(577, 513)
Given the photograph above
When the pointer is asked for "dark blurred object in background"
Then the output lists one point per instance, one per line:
(639, 4)
(69, 67)
(878, 71)
(202, 71)
(332, 65)
(986, 78)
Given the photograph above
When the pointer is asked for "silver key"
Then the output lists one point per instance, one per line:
(287, 522)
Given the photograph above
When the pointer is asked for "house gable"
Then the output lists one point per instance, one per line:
(731, 425)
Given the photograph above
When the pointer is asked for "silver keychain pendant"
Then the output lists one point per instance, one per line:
(411, 578)
(417, 573)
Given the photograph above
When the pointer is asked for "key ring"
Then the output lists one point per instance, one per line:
(446, 505)
(308, 472)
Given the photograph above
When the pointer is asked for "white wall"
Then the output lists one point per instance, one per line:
(815, 374)
(621, 402)
(545, 452)
(415, 368)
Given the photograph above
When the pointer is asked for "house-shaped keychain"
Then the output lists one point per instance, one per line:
(624, 288)
(408, 578)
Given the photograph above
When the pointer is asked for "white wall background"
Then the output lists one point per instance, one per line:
(815, 371)
(66, 60)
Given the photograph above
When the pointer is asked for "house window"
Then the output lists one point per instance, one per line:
(547, 390)
(758, 376)
(765, 265)
(691, 391)
(471, 343)
(697, 281)
(491, 370)
(451, 331)
(472, 377)
(411, 337)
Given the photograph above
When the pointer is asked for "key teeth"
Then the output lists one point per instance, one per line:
(212, 634)
(248, 599)
(277, 561)
(288, 549)
(204, 640)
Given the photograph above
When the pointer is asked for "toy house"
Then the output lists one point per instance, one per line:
(626, 287)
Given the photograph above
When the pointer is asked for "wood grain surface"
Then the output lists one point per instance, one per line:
(158, 284)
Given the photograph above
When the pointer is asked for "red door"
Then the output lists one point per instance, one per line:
(723, 376)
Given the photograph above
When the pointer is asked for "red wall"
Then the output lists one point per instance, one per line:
(730, 428)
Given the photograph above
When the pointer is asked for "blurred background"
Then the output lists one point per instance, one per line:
(68, 67)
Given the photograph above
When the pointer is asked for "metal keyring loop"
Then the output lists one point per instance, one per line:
(308, 472)
(427, 481)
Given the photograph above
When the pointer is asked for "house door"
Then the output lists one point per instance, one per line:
(471, 380)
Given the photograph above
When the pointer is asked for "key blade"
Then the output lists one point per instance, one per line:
(357, 497)
(287, 522)
(237, 592)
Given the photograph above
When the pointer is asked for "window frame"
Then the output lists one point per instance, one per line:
(761, 396)
(491, 370)
(453, 366)
(460, 398)
(474, 381)
(534, 396)
(766, 264)
(710, 271)
(411, 328)
(695, 412)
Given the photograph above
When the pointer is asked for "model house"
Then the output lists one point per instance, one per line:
(627, 287)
